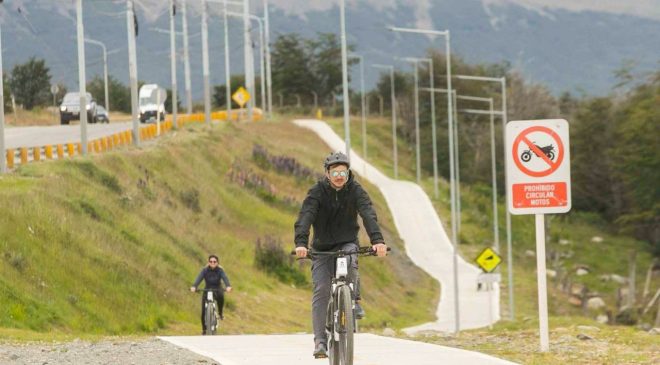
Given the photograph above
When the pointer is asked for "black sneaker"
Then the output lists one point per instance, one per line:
(321, 351)
(359, 312)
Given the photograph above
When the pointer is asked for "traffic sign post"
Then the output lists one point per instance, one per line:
(539, 182)
(241, 97)
(488, 261)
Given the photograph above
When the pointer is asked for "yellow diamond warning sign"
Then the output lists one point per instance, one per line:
(488, 260)
(241, 96)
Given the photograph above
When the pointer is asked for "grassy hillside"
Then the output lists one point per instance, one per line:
(109, 244)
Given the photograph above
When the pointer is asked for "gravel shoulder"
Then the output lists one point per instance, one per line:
(150, 351)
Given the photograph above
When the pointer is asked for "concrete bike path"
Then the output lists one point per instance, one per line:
(297, 350)
(426, 242)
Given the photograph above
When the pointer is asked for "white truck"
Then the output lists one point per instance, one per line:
(152, 102)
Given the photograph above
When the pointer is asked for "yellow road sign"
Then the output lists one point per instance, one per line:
(241, 96)
(488, 260)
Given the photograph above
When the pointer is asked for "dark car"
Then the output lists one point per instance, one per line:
(70, 108)
(102, 115)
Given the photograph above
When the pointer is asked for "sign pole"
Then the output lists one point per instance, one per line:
(541, 279)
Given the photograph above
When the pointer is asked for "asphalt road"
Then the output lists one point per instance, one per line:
(59, 134)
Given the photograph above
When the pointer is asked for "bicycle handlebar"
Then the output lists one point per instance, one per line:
(361, 251)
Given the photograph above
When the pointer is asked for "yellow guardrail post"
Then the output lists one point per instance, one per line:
(10, 158)
(60, 151)
(70, 149)
(79, 148)
(36, 154)
(49, 152)
(24, 155)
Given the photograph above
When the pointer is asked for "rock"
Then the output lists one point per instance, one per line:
(530, 253)
(578, 289)
(551, 273)
(595, 303)
(588, 328)
(575, 301)
(596, 239)
(564, 242)
(601, 318)
(618, 279)
(644, 327)
(627, 316)
(389, 332)
(581, 272)
(655, 331)
(584, 337)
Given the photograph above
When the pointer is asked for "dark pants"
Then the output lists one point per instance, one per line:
(323, 270)
(220, 299)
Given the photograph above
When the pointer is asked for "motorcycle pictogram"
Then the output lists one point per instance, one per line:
(548, 150)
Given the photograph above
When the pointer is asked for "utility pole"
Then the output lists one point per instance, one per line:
(173, 64)
(132, 71)
(3, 157)
(268, 74)
(81, 77)
(249, 61)
(205, 64)
(186, 56)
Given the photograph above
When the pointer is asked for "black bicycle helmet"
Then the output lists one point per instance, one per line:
(336, 158)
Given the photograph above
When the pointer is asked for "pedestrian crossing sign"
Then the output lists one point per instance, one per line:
(488, 260)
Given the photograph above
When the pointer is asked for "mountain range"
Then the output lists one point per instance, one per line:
(576, 49)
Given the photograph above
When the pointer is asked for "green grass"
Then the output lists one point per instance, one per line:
(107, 245)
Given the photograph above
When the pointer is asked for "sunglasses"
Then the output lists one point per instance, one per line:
(339, 173)
(213, 262)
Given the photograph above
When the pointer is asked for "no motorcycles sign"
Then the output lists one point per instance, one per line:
(538, 166)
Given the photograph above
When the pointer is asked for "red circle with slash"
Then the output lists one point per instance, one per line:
(552, 165)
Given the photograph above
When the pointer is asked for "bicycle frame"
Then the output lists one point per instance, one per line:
(210, 317)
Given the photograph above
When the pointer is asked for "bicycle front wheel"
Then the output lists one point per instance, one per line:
(209, 319)
(345, 323)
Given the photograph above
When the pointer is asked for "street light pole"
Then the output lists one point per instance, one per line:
(395, 158)
(418, 163)
(173, 65)
(268, 74)
(249, 60)
(81, 77)
(205, 64)
(450, 113)
(344, 71)
(362, 105)
(496, 238)
(227, 70)
(3, 157)
(132, 71)
(105, 70)
(502, 82)
(186, 57)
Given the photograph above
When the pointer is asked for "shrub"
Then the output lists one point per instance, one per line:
(272, 259)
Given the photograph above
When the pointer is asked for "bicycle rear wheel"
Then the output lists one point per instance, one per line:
(345, 323)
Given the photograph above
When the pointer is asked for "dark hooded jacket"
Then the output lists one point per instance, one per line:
(333, 214)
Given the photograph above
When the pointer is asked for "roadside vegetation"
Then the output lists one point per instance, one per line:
(109, 244)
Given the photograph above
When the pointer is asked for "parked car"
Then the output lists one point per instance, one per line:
(70, 108)
(102, 115)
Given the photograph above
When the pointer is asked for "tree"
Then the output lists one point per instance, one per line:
(119, 94)
(291, 65)
(30, 83)
(168, 102)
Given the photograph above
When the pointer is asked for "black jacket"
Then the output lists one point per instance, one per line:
(212, 278)
(333, 214)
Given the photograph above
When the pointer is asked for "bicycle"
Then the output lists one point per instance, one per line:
(210, 316)
(340, 322)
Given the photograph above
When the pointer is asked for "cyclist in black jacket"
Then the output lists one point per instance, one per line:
(212, 274)
(331, 207)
